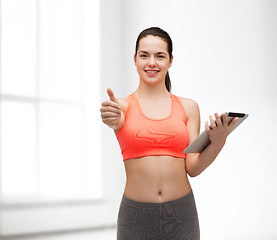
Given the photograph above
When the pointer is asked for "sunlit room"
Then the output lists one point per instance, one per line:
(62, 175)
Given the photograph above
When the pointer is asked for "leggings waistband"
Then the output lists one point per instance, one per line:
(176, 202)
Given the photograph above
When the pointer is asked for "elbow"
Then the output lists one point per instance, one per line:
(193, 174)
(194, 171)
(192, 168)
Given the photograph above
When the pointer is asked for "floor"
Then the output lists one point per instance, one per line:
(104, 234)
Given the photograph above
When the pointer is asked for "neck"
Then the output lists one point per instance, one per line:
(151, 91)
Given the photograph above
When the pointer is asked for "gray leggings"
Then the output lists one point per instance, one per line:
(172, 220)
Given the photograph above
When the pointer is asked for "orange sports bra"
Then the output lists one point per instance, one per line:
(142, 136)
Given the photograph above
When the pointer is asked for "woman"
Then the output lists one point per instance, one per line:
(153, 127)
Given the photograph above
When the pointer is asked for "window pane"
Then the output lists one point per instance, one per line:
(18, 50)
(58, 157)
(60, 49)
(61, 150)
(18, 148)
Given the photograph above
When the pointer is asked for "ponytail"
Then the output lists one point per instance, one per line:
(167, 82)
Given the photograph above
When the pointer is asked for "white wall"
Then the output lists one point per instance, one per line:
(225, 58)
(110, 49)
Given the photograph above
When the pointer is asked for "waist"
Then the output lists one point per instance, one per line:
(145, 205)
(156, 178)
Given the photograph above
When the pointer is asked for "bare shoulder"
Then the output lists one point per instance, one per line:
(123, 101)
(190, 106)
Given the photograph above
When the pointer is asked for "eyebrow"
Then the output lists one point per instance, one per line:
(141, 51)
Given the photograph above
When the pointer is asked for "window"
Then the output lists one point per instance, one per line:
(49, 89)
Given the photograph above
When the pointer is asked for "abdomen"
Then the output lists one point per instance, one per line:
(156, 179)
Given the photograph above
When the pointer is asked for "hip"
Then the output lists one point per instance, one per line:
(175, 219)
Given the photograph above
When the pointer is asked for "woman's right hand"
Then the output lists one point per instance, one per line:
(111, 112)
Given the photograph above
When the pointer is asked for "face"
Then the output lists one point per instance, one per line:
(152, 59)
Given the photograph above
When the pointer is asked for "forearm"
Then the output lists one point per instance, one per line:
(197, 163)
(218, 132)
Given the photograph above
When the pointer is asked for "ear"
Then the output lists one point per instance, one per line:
(135, 59)
(170, 62)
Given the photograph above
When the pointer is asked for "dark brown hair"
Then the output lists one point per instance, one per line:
(158, 32)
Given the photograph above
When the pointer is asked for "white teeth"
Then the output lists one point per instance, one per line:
(151, 71)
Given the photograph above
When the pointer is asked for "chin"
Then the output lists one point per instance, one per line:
(152, 82)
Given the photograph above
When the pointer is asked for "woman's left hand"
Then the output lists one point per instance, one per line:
(219, 130)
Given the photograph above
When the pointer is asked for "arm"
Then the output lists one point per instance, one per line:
(196, 163)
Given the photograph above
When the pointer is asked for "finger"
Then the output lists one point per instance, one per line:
(218, 120)
(109, 114)
(207, 126)
(113, 119)
(109, 120)
(110, 109)
(212, 122)
(110, 103)
(224, 119)
(233, 123)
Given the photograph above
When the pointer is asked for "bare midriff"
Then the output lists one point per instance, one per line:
(156, 179)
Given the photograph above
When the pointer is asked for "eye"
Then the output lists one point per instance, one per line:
(160, 56)
(143, 55)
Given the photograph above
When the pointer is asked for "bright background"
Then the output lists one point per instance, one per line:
(61, 168)
(225, 58)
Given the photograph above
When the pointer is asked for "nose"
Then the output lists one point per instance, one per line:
(152, 61)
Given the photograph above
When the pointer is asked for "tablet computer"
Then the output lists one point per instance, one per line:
(202, 141)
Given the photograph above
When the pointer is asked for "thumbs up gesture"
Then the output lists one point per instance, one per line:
(111, 112)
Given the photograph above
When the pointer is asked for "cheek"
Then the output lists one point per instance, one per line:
(139, 68)
(164, 65)
(140, 65)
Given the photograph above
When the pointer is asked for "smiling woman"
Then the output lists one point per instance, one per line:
(153, 127)
(152, 148)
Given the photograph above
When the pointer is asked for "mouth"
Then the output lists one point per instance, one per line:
(152, 72)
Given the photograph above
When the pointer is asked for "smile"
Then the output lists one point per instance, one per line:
(151, 71)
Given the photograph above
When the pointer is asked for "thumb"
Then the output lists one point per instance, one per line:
(111, 95)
